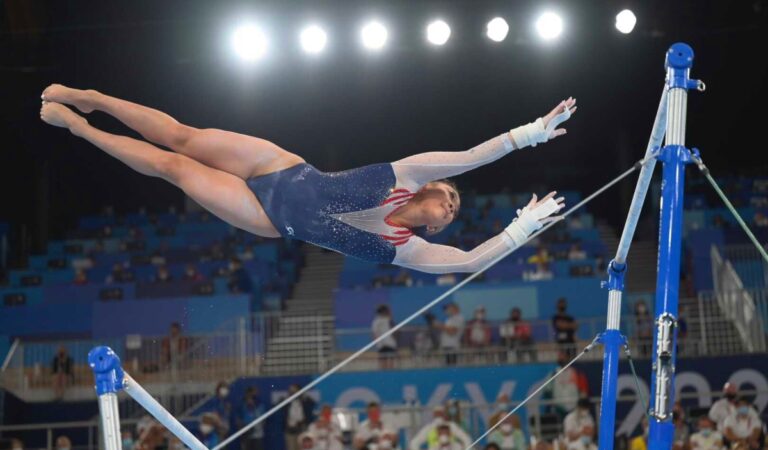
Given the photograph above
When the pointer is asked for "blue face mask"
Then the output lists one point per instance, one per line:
(743, 410)
(586, 440)
(706, 432)
(127, 444)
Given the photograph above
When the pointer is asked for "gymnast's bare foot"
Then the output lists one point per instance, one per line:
(84, 100)
(59, 115)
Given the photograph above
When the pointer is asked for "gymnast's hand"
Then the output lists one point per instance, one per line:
(535, 204)
(534, 216)
(560, 114)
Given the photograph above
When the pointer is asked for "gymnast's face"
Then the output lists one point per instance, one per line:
(440, 203)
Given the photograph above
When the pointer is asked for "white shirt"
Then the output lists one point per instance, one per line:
(719, 411)
(578, 445)
(365, 431)
(743, 427)
(380, 325)
(326, 437)
(295, 413)
(452, 341)
(712, 442)
(452, 445)
(575, 421)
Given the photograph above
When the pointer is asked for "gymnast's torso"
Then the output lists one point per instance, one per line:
(342, 211)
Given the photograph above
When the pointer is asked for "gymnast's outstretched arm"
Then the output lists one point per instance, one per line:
(417, 170)
(421, 255)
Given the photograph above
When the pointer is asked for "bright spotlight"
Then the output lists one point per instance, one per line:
(313, 39)
(249, 42)
(549, 25)
(374, 36)
(438, 32)
(625, 21)
(497, 29)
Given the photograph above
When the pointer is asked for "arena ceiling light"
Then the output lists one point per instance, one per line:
(549, 25)
(374, 35)
(313, 39)
(497, 29)
(625, 21)
(249, 42)
(438, 32)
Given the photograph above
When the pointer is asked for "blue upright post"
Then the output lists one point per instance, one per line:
(109, 380)
(674, 157)
(612, 341)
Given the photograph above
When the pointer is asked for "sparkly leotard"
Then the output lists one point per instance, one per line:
(347, 211)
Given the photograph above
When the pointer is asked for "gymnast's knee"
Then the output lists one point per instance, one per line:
(180, 135)
(170, 167)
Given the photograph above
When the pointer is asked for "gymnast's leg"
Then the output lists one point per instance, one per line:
(223, 194)
(238, 154)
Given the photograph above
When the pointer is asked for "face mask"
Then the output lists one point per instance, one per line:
(444, 439)
(223, 392)
(506, 428)
(128, 443)
(503, 406)
(385, 444)
(706, 432)
(206, 428)
(586, 440)
(743, 410)
(479, 316)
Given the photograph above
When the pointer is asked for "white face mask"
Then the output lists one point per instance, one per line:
(506, 428)
(444, 439)
(223, 392)
(206, 428)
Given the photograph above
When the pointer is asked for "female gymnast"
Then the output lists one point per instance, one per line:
(369, 212)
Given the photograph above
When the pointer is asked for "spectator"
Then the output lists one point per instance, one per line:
(577, 420)
(453, 412)
(297, 418)
(575, 253)
(127, 439)
(682, 432)
(760, 220)
(542, 272)
(163, 275)
(541, 256)
(516, 335)
(585, 440)
(239, 280)
(326, 432)
(565, 328)
(509, 435)
(451, 332)
(502, 407)
(643, 328)
(251, 408)
(707, 438)
(222, 406)
(17, 444)
(80, 277)
(387, 347)
(445, 439)
(192, 274)
(120, 274)
(403, 278)
(448, 279)
(743, 426)
(428, 433)
(724, 407)
(173, 347)
(564, 391)
(478, 331)
(63, 443)
(491, 446)
(211, 429)
(305, 441)
(61, 368)
(373, 433)
(640, 442)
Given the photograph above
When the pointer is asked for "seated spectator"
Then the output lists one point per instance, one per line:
(127, 439)
(61, 368)
(163, 275)
(428, 433)
(509, 435)
(541, 256)
(326, 432)
(445, 439)
(743, 426)
(373, 433)
(306, 441)
(643, 328)
(448, 279)
(541, 273)
(477, 333)
(212, 429)
(120, 274)
(576, 253)
(454, 413)
(585, 440)
(724, 407)
(403, 278)
(80, 277)
(239, 280)
(760, 220)
(251, 409)
(192, 274)
(707, 437)
(502, 407)
(577, 420)
(387, 348)
(516, 335)
(63, 443)
(640, 442)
